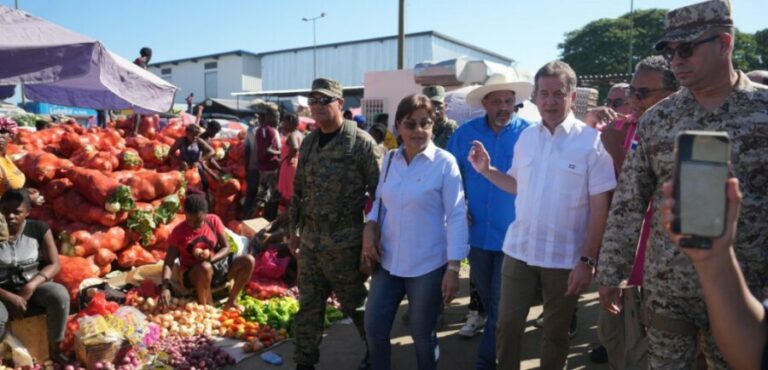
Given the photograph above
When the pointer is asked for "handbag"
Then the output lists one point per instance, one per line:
(368, 267)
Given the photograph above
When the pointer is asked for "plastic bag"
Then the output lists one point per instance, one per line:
(19, 353)
(269, 265)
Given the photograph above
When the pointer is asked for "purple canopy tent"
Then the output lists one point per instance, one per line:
(62, 67)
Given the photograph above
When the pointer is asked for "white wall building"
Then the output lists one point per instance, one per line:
(220, 75)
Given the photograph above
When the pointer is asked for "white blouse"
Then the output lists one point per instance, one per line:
(424, 215)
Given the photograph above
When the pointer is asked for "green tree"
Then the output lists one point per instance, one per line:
(602, 46)
(761, 38)
(746, 53)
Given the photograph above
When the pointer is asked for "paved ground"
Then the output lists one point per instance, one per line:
(341, 349)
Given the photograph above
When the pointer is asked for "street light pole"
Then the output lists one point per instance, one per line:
(631, 32)
(21, 85)
(314, 42)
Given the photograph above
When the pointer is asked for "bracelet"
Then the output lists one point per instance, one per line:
(454, 268)
(45, 278)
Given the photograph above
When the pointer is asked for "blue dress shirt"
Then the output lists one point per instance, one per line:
(491, 209)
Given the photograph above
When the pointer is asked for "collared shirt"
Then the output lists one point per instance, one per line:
(491, 209)
(744, 116)
(424, 216)
(556, 174)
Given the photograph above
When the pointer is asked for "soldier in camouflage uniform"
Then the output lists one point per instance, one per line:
(699, 44)
(338, 165)
(444, 127)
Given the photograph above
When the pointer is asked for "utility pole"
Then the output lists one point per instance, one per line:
(314, 42)
(21, 84)
(631, 33)
(401, 35)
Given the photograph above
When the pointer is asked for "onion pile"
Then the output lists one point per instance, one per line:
(190, 353)
(191, 319)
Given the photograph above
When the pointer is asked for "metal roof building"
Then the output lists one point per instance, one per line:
(219, 75)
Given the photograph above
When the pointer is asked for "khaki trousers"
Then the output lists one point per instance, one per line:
(623, 335)
(518, 288)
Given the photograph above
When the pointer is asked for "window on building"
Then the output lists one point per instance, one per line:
(211, 65)
(372, 107)
(211, 82)
(165, 71)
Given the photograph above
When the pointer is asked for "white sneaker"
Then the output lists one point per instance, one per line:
(473, 325)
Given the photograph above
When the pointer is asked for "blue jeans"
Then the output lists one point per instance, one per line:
(485, 272)
(384, 297)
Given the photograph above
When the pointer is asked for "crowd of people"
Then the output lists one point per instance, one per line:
(541, 209)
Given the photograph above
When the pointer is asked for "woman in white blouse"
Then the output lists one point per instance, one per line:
(423, 236)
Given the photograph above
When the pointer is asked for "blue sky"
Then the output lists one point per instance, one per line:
(527, 31)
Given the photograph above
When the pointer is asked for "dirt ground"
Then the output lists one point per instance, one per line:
(342, 349)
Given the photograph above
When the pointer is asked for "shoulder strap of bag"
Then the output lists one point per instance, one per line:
(386, 173)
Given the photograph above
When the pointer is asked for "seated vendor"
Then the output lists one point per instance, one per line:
(205, 261)
(28, 262)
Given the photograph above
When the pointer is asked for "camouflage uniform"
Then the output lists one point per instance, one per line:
(673, 297)
(327, 208)
(443, 131)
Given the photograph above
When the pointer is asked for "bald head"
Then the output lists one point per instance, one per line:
(759, 76)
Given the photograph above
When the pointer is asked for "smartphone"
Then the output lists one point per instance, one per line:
(702, 164)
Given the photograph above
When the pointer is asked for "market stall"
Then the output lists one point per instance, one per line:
(62, 67)
(111, 202)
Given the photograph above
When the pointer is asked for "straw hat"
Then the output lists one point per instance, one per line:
(500, 82)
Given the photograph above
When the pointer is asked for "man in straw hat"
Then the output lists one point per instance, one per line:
(338, 166)
(698, 42)
(563, 178)
(490, 208)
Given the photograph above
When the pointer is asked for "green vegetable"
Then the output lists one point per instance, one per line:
(123, 198)
(143, 223)
(28, 120)
(167, 210)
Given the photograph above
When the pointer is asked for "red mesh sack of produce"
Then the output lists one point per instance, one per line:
(73, 271)
(134, 256)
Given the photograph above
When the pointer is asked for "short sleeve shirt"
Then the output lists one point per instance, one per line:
(186, 239)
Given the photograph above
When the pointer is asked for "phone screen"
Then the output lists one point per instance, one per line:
(702, 173)
(702, 198)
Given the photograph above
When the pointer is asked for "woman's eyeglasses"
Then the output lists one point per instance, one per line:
(424, 124)
(685, 50)
(323, 100)
(641, 92)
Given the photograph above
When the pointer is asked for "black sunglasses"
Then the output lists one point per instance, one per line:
(685, 50)
(641, 92)
(424, 124)
(323, 100)
(614, 103)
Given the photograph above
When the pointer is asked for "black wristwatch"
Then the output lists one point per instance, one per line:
(589, 261)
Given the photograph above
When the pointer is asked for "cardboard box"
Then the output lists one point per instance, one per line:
(33, 334)
(90, 354)
(253, 226)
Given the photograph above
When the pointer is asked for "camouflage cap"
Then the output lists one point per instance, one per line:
(434, 93)
(690, 22)
(327, 87)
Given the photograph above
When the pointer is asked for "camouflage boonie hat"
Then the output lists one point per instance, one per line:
(690, 22)
(434, 93)
(327, 87)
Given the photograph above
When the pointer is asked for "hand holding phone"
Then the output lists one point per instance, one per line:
(701, 172)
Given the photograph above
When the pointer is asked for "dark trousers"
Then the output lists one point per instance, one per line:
(49, 298)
